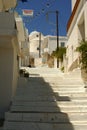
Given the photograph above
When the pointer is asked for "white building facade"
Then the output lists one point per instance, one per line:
(40, 45)
(35, 44)
(76, 32)
(50, 43)
(35, 39)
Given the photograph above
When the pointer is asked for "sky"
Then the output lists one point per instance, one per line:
(42, 22)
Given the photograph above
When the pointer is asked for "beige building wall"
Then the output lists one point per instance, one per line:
(85, 22)
(9, 49)
(34, 39)
(8, 73)
(6, 78)
(34, 45)
(72, 43)
(76, 33)
(20, 29)
(15, 64)
(23, 40)
(35, 42)
(73, 3)
(7, 4)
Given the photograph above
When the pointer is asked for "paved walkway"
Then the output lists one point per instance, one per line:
(48, 100)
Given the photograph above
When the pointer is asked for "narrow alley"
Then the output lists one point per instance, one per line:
(43, 65)
(48, 100)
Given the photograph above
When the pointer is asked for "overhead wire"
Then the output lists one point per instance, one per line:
(45, 7)
(42, 10)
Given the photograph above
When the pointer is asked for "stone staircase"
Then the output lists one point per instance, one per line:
(48, 100)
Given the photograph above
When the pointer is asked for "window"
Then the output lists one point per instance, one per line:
(52, 38)
(62, 44)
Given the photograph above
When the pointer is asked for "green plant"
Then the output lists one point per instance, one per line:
(26, 74)
(62, 69)
(21, 71)
(82, 48)
(59, 52)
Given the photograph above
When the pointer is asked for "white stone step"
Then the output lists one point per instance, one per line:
(51, 85)
(1, 128)
(74, 73)
(45, 72)
(54, 109)
(49, 98)
(50, 104)
(59, 78)
(39, 98)
(53, 94)
(47, 117)
(50, 90)
(64, 84)
(41, 90)
(43, 126)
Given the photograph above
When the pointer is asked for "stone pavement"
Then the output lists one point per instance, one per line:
(48, 100)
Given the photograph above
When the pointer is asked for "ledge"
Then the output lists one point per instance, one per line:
(8, 32)
(73, 14)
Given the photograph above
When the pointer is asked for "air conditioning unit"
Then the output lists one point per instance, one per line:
(5, 5)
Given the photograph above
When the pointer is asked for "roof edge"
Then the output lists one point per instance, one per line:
(73, 14)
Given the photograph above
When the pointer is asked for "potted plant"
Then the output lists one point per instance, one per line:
(82, 48)
(59, 53)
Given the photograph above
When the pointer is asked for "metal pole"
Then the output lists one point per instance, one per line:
(39, 45)
(57, 31)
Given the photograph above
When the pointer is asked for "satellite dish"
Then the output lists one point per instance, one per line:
(5, 5)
